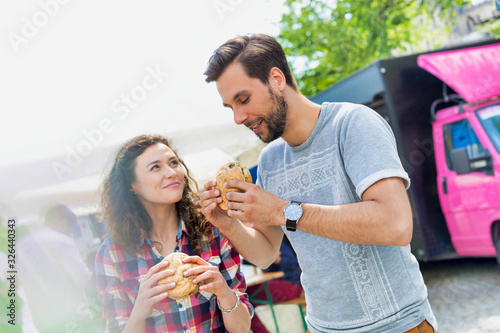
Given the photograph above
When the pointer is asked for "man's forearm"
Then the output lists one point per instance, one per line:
(365, 223)
(384, 217)
(258, 244)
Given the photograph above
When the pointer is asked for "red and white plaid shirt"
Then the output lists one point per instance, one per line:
(119, 273)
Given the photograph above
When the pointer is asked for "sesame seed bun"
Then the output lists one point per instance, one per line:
(227, 172)
(184, 285)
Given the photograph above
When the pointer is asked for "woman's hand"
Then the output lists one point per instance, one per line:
(210, 199)
(213, 280)
(150, 293)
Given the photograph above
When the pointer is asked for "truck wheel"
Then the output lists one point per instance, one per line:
(498, 251)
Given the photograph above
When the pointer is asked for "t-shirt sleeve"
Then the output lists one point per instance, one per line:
(116, 308)
(368, 148)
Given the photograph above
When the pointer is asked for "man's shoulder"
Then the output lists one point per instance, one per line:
(273, 147)
(41, 235)
(344, 114)
(346, 109)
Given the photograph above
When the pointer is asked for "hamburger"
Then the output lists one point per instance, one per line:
(230, 171)
(184, 285)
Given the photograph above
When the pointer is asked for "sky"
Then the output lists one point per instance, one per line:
(71, 68)
(79, 78)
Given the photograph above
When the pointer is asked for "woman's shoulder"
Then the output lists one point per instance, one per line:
(108, 246)
(218, 236)
(216, 239)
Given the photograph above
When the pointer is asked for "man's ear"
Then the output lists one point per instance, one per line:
(277, 78)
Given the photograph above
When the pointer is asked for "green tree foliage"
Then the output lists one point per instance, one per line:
(330, 39)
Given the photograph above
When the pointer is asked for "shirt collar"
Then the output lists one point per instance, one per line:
(182, 228)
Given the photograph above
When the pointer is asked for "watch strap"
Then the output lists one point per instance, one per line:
(291, 225)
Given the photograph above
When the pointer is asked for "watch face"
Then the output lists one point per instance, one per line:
(293, 212)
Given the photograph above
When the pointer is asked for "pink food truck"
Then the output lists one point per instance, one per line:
(444, 109)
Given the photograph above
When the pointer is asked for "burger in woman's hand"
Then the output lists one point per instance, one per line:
(184, 285)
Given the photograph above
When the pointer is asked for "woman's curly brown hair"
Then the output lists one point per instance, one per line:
(127, 219)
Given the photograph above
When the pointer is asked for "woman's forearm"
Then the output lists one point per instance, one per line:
(134, 324)
(238, 320)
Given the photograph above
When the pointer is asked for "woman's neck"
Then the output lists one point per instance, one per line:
(165, 221)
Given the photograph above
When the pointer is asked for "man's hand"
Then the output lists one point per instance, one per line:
(255, 205)
(259, 243)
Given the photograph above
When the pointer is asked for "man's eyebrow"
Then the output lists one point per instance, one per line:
(236, 95)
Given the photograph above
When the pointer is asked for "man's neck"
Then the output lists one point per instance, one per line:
(302, 118)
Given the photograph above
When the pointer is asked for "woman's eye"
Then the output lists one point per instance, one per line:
(245, 101)
(174, 163)
(154, 167)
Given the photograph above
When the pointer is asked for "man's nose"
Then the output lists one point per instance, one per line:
(239, 116)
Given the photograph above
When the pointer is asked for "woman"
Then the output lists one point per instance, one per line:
(152, 210)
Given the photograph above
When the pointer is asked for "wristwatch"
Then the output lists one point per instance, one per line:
(293, 213)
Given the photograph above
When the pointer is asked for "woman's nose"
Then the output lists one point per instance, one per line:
(169, 172)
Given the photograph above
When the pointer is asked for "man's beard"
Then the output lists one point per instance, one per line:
(276, 119)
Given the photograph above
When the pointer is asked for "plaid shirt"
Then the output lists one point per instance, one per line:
(118, 276)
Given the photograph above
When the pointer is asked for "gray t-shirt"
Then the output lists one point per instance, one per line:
(348, 287)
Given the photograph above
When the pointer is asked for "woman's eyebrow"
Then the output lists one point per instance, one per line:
(153, 162)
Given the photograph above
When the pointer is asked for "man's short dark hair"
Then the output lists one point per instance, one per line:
(61, 218)
(257, 54)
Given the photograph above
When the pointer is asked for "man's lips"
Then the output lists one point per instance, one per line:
(256, 126)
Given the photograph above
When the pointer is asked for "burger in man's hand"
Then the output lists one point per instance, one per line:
(230, 171)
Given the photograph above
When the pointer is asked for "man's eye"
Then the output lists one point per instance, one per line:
(245, 101)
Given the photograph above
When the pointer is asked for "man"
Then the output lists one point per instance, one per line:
(54, 275)
(332, 180)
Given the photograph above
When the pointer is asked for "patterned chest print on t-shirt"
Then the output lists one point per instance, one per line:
(302, 178)
(373, 291)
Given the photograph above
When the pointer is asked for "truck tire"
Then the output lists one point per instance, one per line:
(498, 250)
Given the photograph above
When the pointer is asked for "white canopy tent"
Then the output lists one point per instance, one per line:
(27, 188)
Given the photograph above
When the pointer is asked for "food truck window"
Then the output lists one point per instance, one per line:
(458, 135)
